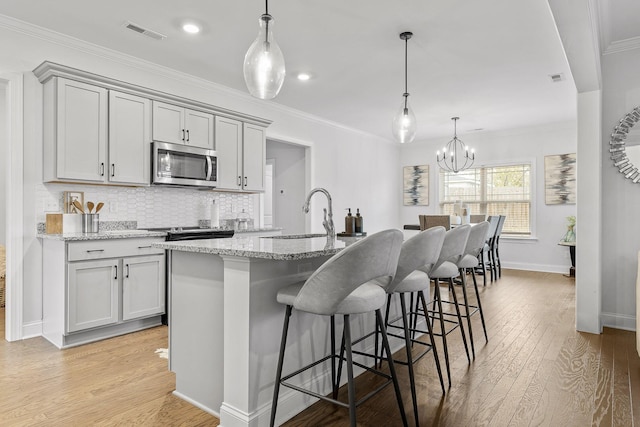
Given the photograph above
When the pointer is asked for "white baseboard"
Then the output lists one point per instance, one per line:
(196, 404)
(543, 268)
(32, 329)
(618, 321)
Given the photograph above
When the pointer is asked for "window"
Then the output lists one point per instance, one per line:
(491, 190)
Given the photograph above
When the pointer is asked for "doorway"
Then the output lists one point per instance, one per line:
(3, 199)
(285, 197)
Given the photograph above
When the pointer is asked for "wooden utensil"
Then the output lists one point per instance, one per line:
(78, 206)
(90, 206)
(100, 205)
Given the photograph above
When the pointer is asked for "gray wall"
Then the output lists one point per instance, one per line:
(288, 186)
(620, 197)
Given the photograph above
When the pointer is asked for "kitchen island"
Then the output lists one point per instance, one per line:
(225, 324)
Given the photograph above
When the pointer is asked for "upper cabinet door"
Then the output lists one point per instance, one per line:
(81, 131)
(229, 151)
(254, 155)
(199, 129)
(168, 123)
(129, 139)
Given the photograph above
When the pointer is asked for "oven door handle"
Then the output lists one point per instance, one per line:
(208, 169)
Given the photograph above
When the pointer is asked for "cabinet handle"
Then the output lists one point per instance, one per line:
(116, 272)
(187, 135)
(239, 181)
(245, 181)
(113, 169)
(101, 169)
(183, 134)
(145, 247)
(94, 250)
(127, 276)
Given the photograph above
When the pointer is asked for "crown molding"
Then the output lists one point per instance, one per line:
(50, 36)
(622, 46)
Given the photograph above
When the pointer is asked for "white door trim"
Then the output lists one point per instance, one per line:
(14, 166)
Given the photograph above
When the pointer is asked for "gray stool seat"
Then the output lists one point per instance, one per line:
(344, 285)
(469, 261)
(364, 299)
(446, 270)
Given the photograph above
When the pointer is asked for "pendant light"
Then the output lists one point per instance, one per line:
(264, 69)
(404, 122)
(455, 155)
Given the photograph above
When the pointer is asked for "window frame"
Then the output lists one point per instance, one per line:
(534, 193)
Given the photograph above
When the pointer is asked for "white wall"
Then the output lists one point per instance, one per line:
(620, 197)
(289, 187)
(361, 165)
(3, 159)
(517, 145)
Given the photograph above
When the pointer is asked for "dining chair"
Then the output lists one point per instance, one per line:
(477, 218)
(344, 285)
(488, 249)
(496, 245)
(468, 262)
(428, 221)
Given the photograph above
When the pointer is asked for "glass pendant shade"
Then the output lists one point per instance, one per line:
(264, 68)
(404, 123)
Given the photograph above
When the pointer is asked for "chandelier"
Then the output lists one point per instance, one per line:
(455, 155)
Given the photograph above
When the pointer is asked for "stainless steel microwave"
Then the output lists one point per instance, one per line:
(183, 165)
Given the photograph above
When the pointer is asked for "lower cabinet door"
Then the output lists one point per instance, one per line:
(92, 294)
(143, 286)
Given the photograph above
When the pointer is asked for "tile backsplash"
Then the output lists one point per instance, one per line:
(149, 206)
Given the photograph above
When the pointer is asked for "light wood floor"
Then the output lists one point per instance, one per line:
(535, 370)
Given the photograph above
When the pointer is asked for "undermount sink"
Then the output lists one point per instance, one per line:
(295, 236)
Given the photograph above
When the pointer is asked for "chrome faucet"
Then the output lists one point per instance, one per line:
(327, 222)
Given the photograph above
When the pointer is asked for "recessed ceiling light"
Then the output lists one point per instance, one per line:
(304, 76)
(191, 28)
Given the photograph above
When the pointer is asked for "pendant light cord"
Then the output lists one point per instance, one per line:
(266, 7)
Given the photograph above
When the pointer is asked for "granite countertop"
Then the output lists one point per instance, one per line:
(102, 235)
(276, 248)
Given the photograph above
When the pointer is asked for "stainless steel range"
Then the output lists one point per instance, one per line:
(180, 234)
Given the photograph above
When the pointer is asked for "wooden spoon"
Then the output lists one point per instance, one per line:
(100, 205)
(78, 206)
(90, 206)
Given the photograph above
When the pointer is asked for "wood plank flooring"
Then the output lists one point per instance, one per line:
(536, 370)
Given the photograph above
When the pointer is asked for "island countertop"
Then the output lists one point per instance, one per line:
(273, 247)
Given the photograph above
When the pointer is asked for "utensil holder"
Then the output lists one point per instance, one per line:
(90, 223)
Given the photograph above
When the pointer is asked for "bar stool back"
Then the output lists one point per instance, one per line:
(343, 285)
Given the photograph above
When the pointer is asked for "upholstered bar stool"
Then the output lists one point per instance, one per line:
(446, 267)
(469, 261)
(344, 285)
(420, 251)
(488, 248)
(496, 246)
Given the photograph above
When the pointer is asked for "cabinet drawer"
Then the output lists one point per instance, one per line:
(99, 249)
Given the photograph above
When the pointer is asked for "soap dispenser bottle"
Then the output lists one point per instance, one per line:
(358, 226)
(349, 223)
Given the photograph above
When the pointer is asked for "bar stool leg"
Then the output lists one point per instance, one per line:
(463, 273)
(437, 299)
(350, 384)
(334, 379)
(461, 326)
(392, 369)
(475, 285)
(433, 341)
(408, 346)
(283, 345)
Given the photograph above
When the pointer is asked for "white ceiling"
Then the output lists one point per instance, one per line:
(486, 61)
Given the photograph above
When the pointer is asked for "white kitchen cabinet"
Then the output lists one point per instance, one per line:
(240, 148)
(129, 139)
(75, 131)
(179, 125)
(92, 294)
(96, 289)
(143, 286)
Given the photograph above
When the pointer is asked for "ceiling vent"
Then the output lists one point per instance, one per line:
(555, 78)
(145, 31)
